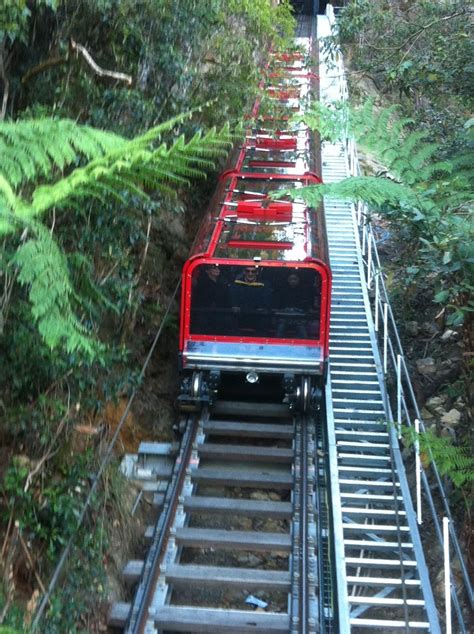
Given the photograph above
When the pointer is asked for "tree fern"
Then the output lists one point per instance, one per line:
(100, 165)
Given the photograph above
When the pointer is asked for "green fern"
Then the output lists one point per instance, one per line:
(31, 149)
(454, 461)
(43, 269)
(33, 155)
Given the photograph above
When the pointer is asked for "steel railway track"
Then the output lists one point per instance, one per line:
(241, 517)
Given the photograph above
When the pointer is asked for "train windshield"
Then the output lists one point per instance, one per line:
(255, 301)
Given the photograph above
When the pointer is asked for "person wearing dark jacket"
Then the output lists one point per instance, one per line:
(249, 301)
(209, 301)
(292, 304)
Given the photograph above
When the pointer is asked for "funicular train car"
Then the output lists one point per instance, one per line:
(256, 288)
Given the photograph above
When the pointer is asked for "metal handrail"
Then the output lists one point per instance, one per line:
(394, 359)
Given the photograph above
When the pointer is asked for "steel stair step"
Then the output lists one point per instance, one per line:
(367, 460)
(352, 392)
(384, 601)
(349, 484)
(368, 545)
(374, 513)
(353, 331)
(354, 402)
(365, 375)
(370, 498)
(368, 447)
(375, 562)
(374, 528)
(369, 415)
(362, 385)
(385, 625)
(358, 425)
(382, 581)
(369, 436)
(383, 473)
(352, 412)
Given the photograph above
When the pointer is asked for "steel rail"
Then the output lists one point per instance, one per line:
(306, 613)
(144, 595)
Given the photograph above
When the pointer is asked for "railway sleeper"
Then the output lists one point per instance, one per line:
(195, 619)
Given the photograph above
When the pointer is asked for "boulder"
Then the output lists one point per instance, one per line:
(412, 328)
(426, 414)
(435, 405)
(429, 328)
(449, 335)
(426, 366)
(451, 418)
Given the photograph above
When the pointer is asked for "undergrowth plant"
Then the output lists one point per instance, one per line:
(454, 461)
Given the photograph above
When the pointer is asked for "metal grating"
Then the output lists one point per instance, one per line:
(382, 579)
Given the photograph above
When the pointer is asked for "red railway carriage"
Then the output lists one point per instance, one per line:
(256, 289)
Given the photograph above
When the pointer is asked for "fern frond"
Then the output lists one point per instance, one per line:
(454, 461)
(35, 148)
(43, 269)
(377, 191)
(123, 167)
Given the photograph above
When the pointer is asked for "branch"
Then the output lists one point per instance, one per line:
(97, 69)
(418, 32)
(39, 68)
(417, 35)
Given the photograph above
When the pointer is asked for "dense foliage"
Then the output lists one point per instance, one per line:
(417, 53)
(93, 211)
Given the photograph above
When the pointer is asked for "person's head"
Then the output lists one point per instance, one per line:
(213, 272)
(293, 280)
(250, 274)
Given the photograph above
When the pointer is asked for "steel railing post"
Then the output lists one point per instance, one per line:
(447, 575)
(418, 471)
(369, 259)
(364, 229)
(399, 395)
(385, 336)
(377, 292)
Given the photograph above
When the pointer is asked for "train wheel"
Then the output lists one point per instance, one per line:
(196, 385)
(305, 394)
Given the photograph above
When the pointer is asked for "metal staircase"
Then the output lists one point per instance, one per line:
(382, 579)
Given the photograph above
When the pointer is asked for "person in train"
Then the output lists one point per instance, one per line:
(210, 300)
(250, 301)
(292, 302)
